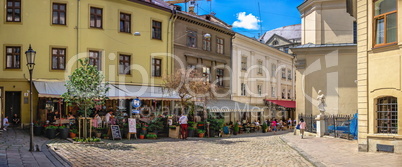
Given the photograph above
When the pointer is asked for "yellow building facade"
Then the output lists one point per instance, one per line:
(379, 75)
(129, 41)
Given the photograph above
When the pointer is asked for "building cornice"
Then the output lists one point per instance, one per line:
(204, 23)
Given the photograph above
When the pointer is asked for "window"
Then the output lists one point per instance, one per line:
(156, 30)
(124, 64)
(59, 14)
(125, 22)
(191, 38)
(13, 11)
(13, 57)
(259, 67)
(219, 77)
(387, 115)
(58, 58)
(283, 93)
(385, 22)
(156, 67)
(275, 43)
(259, 89)
(273, 92)
(206, 73)
(289, 92)
(219, 45)
(273, 70)
(289, 74)
(283, 73)
(206, 43)
(96, 17)
(95, 59)
(244, 63)
(243, 89)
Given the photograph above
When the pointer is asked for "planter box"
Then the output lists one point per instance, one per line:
(174, 133)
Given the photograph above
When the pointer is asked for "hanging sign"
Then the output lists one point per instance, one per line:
(136, 103)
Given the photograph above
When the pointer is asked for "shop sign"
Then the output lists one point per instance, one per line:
(136, 103)
(132, 125)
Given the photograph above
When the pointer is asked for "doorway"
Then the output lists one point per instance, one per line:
(13, 104)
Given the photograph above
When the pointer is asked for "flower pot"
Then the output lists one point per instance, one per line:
(142, 136)
(98, 135)
(51, 133)
(201, 135)
(38, 130)
(73, 135)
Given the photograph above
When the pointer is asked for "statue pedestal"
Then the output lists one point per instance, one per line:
(320, 125)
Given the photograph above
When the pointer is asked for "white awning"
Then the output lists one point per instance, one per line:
(148, 92)
(56, 89)
(231, 106)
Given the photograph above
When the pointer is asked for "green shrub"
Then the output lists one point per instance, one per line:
(200, 131)
(151, 136)
(52, 127)
(236, 127)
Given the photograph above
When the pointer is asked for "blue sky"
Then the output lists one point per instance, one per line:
(274, 14)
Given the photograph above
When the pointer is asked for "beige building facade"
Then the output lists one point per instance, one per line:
(379, 75)
(262, 73)
(326, 58)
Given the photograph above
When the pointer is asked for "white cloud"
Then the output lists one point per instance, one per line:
(249, 21)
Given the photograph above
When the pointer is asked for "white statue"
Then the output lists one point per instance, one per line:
(321, 101)
(321, 105)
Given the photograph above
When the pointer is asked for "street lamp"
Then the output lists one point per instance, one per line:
(30, 53)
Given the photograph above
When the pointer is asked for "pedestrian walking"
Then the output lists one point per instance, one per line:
(302, 126)
(183, 126)
(5, 123)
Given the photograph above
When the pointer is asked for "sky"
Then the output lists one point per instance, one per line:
(246, 16)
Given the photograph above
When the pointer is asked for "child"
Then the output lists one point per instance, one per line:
(302, 125)
(5, 123)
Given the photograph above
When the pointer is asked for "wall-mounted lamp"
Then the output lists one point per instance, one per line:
(137, 34)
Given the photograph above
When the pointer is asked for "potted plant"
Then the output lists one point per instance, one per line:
(235, 129)
(99, 131)
(191, 131)
(142, 136)
(264, 127)
(151, 136)
(73, 133)
(63, 130)
(51, 131)
(155, 125)
(105, 136)
(38, 128)
(201, 133)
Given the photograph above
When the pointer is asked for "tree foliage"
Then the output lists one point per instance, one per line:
(189, 84)
(85, 87)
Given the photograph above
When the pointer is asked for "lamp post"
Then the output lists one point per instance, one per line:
(30, 54)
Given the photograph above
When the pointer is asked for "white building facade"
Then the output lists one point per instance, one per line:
(262, 76)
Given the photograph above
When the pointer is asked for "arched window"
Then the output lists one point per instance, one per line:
(387, 115)
(275, 42)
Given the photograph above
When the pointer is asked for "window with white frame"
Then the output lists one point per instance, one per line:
(387, 115)
(219, 77)
(191, 38)
(259, 89)
(244, 63)
(273, 70)
(219, 45)
(289, 74)
(206, 42)
(289, 94)
(259, 66)
(273, 92)
(243, 89)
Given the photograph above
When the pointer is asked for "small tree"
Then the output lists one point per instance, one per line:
(189, 84)
(85, 88)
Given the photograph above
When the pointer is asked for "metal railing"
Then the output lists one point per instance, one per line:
(335, 125)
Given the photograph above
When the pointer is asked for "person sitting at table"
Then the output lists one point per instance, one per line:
(71, 118)
(16, 119)
(56, 115)
(50, 117)
(257, 125)
(112, 120)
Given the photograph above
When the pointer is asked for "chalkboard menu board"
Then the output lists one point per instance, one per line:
(115, 132)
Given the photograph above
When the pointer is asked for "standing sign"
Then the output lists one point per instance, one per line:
(115, 132)
(132, 125)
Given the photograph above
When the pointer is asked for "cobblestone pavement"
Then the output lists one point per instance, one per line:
(329, 151)
(247, 150)
(14, 150)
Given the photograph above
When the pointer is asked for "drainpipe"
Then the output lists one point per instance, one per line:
(78, 29)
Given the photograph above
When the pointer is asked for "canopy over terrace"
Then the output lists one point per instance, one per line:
(56, 89)
(284, 103)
